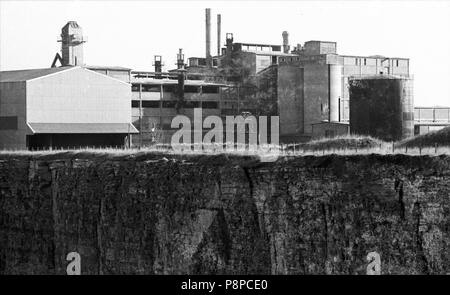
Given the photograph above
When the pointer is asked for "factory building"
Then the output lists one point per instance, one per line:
(253, 57)
(158, 97)
(329, 129)
(307, 86)
(382, 107)
(428, 119)
(321, 59)
(312, 86)
(309, 83)
(120, 73)
(155, 102)
(64, 107)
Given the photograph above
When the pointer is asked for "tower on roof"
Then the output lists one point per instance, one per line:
(72, 44)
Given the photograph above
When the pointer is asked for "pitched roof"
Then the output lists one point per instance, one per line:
(25, 75)
(112, 68)
(82, 128)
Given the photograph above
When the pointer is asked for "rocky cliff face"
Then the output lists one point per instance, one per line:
(165, 214)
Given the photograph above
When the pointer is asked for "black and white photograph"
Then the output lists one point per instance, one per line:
(223, 145)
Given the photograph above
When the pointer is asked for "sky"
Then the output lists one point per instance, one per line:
(130, 33)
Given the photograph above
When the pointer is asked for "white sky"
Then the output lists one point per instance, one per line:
(128, 34)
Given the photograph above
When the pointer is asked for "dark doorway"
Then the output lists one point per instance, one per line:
(75, 141)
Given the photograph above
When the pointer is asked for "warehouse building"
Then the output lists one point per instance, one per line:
(64, 107)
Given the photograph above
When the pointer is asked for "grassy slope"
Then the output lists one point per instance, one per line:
(439, 138)
(341, 143)
(345, 145)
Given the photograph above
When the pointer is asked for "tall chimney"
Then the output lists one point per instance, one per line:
(208, 36)
(285, 42)
(180, 59)
(158, 65)
(229, 42)
(219, 23)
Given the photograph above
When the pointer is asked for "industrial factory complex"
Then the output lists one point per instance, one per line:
(316, 92)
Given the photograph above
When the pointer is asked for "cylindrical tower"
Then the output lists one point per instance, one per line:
(407, 103)
(382, 107)
(334, 91)
(208, 35)
(219, 32)
(285, 42)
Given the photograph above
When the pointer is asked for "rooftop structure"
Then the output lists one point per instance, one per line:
(72, 44)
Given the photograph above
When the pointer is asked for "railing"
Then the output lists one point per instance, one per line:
(432, 115)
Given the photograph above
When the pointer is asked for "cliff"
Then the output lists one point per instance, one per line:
(168, 214)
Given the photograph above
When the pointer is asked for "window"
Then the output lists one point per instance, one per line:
(365, 62)
(8, 123)
(191, 89)
(356, 61)
(150, 88)
(210, 105)
(169, 104)
(169, 88)
(135, 103)
(191, 104)
(210, 89)
(396, 62)
(408, 116)
(135, 87)
(150, 104)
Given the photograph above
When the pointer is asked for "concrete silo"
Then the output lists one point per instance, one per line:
(382, 107)
(334, 91)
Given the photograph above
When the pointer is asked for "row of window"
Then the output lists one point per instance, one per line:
(432, 114)
(174, 88)
(364, 60)
(172, 104)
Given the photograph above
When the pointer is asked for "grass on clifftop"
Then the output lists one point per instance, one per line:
(431, 139)
(348, 142)
(343, 145)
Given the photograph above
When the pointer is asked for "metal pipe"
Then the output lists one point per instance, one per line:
(219, 24)
(208, 35)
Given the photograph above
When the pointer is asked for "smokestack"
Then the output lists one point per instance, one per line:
(219, 23)
(158, 65)
(229, 40)
(180, 59)
(208, 36)
(285, 42)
